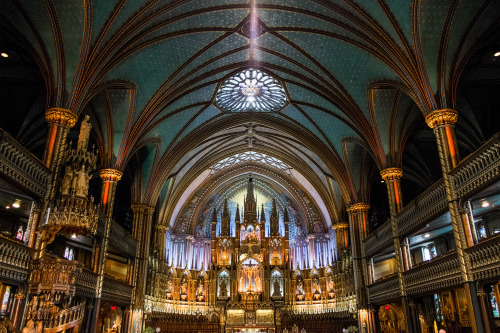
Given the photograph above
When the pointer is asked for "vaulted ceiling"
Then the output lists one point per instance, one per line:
(358, 76)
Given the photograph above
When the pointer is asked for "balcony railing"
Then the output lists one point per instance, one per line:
(384, 290)
(115, 290)
(86, 283)
(485, 258)
(15, 259)
(427, 206)
(440, 272)
(379, 239)
(65, 319)
(20, 165)
(477, 169)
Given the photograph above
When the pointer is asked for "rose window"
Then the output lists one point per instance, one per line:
(251, 90)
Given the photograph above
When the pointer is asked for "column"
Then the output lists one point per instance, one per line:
(17, 310)
(341, 236)
(143, 216)
(442, 123)
(358, 217)
(110, 178)
(392, 178)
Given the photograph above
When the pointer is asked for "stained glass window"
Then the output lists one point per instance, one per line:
(426, 254)
(5, 299)
(20, 233)
(68, 253)
(494, 305)
(251, 90)
(481, 231)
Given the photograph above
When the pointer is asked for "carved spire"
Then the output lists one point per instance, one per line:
(262, 215)
(250, 195)
(237, 217)
(274, 220)
(285, 216)
(225, 212)
(250, 214)
(214, 216)
(225, 220)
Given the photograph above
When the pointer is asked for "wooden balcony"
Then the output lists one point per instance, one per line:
(476, 171)
(116, 291)
(86, 283)
(22, 167)
(15, 259)
(438, 273)
(485, 259)
(384, 290)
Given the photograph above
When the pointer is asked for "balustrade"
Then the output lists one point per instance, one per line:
(116, 290)
(20, 165)
(440, 272)
(15, 259)
(485, 258)
(430, 204)
(477, 169)
(384, 290)
(379, 239)
(65, 319)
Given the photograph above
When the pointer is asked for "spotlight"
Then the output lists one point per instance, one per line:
(73, 236)
(382, 181)
(427, 235)
(5, 55)
(16, 203)
(485, 204)
(7, 207)
(497, 54)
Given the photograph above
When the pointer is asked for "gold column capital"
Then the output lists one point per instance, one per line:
(340, 226)
(111, 175)
(139, 207)
(19, 296)
(391, 174)
(61, 116)
(441, 117)
(358, 207)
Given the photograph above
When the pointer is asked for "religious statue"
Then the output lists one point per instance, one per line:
(200, 291)
(184, 286)
(316, 288)
(29, 328)
(331, 293)
(67, 180)
(83, 138)
(277, 289)
(223, 289)
(300, 289)
(83, 178)
(169, 285)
